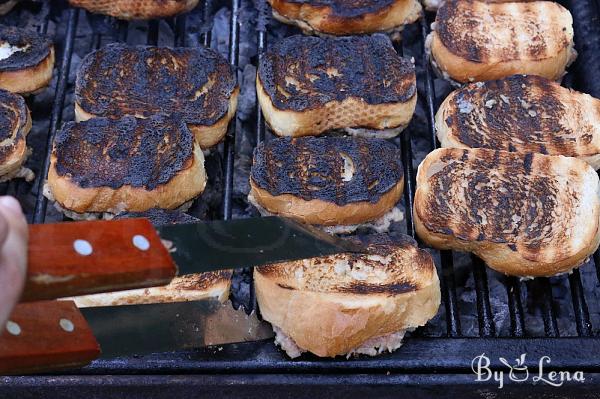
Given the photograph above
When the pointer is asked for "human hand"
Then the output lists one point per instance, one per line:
(13, 255)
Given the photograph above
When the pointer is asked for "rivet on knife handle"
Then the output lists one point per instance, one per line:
(46, 336)
(77, 258)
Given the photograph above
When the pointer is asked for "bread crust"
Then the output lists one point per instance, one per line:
(29, 80)
(522, 113)
(330, 321)
(136, 9)
(547, 52)
(518, 256)
(317, 18)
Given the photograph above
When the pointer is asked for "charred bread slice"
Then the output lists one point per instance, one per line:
(522, 113)
(15, 123)
(109, 166)
(138, 9)
(477, 41)
(349, 303)
(526, 215)
(308, 85)
(192, 287)
(195, 85)
(432, 5)
(26, 60)
(347, 17)
(337, 182)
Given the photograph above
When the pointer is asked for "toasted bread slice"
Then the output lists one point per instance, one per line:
(433, 5)
(138, 9)
(476, 41)
(308, 85)
(522, 113)
(192, 287)
(26, 60)
(195, 85)
(346, 17)
(130, 164)
(525, 215)
(15, 124)
(327, 181)
(349, 303)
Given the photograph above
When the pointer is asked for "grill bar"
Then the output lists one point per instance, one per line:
(515, 307)
(153, 32)
(582, 315)
(206, 34)
(484, 309)
(41, 203)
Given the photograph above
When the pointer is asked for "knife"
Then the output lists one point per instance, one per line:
(55, 335)
(79, 258)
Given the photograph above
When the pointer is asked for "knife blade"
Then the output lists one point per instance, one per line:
(79, 258)
(54, 335)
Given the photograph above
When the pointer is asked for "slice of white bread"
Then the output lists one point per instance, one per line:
(309, 85)
(349, 303)
(136, 9)
(526, 215)
(346, 17)
(15, 124)
(432, 5)
(26, 60)
(327, 181)
(196, 85)
(522, 113)
(129, 164)
(477, 41)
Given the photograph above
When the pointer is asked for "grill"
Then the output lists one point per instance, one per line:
(481, 312)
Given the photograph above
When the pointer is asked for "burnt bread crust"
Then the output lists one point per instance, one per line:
(108, 165)
(478, 41)
(196, 85)
(15, 124)
(523, 214)
(522, 113)
(307, 85)
(30, 61)
(327, 180)
(138, 9)
(346, 17)
(333, 305)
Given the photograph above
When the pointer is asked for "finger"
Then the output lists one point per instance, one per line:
(3, 229)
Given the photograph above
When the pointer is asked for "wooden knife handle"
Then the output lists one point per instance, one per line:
(46, 336)
(78, 258)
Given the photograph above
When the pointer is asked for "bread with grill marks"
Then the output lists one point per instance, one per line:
(196, 85)
(349, 303)
(15, 124)
(479, 41)
(309, 85)
(347, 17)
(432, 5)
(337, 182)
(522, 113)
(110, 166)
(136, 9)
(526, 215)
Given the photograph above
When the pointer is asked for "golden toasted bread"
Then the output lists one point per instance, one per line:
(15, 123)
(526, 215)
(195, 85)
(136, 9)
(522, 113)
(346, 17)
(308, 85)
(109, 166)
(478, 41)
(328, 181)
(349, 303)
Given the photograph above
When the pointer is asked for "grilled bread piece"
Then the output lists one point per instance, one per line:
(308, 85)
(192, 287)
(196, 85)
(525, 215)
(136, 9)
(346, 17)
(15, 123)
(522, 113)
(349, 303)
(106, 165)
(26, 60)
(477, 41)
(328, 181)
(432, 5)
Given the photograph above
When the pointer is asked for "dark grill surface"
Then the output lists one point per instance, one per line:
(482, 311)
